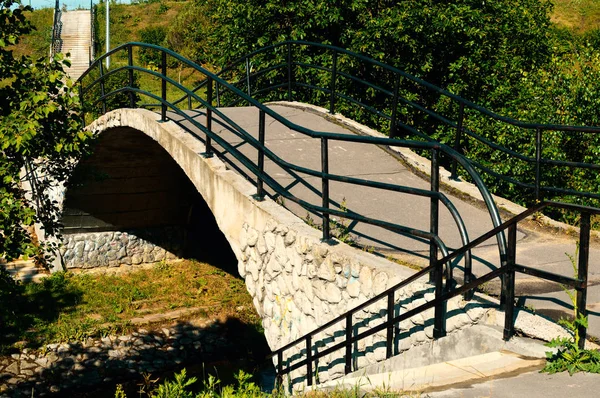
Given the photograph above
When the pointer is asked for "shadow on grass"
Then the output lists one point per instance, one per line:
(24, 307)
(94, 368)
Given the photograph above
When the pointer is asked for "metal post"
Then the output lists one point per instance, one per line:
(209, 95)
(278, 379)
(509, 284)
(189, 102)
(439, 321)
(458, 140)
(332, 84)
(309, 369)
(582, 273)
(434, 211)
(393, 126)
(102, 92)
(82, 105)
(390, 329)
(217, 89)
(248, 76)
(348, 356)
(130, 63)
(107, 4)
(260, 194)
(325, 186)
(289, 71)
(538, 163)
(92, 49)
(163, 86)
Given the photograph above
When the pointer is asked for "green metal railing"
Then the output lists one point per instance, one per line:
(214, 91)
(383, 92)
(56, 43)
(213, 86)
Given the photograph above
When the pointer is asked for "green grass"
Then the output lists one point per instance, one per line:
(578, 15)
(37, 43)
(182, 385)
(67, 307)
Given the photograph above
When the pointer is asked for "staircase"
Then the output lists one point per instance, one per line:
(76, 40)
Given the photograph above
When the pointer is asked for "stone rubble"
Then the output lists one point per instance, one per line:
(70, 366)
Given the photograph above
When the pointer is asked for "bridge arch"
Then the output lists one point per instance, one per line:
(297, 282)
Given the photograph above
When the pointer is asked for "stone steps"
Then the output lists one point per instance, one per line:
(76, 40)
(25, 270)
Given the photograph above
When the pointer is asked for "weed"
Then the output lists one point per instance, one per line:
(569, 356)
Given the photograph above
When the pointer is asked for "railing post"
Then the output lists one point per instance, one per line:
(333, 83)
(389, 344)
(582, 273)
(458, 140)
(538, 163)
(439, 321)
(509, 283)
(348, 356)
(279, 379)
(325, 187)
(248, 77)
(309, 369)
(260, 194)
(218, 94)
(189, 101)
(102, 91)
(209, 94)
(434, 211)
(163, 88)
(289, 71)
(82, 104)
(130, 63)
(393, 126)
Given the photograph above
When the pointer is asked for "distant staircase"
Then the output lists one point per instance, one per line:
(76, 39)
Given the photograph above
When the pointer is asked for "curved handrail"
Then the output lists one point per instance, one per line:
(536, 186)
(415, 79)
(492, 209)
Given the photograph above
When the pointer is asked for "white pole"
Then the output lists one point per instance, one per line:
(107, 32)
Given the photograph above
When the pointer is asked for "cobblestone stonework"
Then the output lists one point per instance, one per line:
(112, 249)
(58, 368)
(300, 283)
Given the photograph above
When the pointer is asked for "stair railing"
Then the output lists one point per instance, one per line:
(56, 44)
(312, 353)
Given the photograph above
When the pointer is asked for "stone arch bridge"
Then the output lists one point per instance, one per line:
(319, 211)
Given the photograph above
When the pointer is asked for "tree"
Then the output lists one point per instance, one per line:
(41, 137)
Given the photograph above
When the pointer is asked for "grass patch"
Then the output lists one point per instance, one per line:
(578, 15)
(37, 43)
(67, 307)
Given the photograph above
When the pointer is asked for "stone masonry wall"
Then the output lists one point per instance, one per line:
(111, 249)
(299, 283)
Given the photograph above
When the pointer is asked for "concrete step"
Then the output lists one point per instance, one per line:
(442, 375)
(25, 271)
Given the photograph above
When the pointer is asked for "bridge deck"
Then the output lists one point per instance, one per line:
(350, 159)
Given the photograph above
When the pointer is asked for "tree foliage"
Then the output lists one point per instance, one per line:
(40, 135)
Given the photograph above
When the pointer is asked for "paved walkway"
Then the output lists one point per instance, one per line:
(536, 247)
(76, 40)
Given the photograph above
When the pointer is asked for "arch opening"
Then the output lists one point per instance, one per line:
(130, 203)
